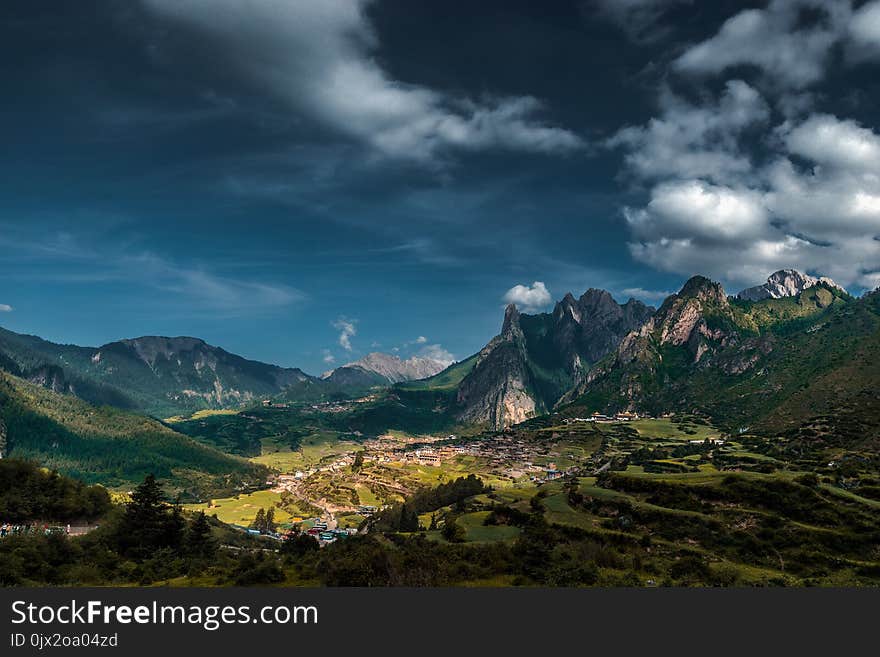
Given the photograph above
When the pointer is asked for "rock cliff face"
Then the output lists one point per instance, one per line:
(536, 359)
(699, 339)
(497, 392)
(587, 329)
(696, 323)
(785, 283)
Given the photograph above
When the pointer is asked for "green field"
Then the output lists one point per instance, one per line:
(241, 509)
(313, 449)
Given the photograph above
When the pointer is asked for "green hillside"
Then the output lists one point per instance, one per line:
(110, 446)
(789, 360)
(448, 379)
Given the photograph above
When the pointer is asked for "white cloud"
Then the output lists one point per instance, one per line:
(864, 27)
(777, 40)
(328, 357)
(822, 216)
(438, 353)
(5, 308)
(694, 209)
(320, 58)
(689, 140)
(825, 139)
(347, 330)
(529, 298)
(730, 204)
(421, 339)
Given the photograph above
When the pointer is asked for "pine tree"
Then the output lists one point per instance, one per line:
(270, 520)
(409, 519)
(143, 526)
(198, 539)
(259, 522)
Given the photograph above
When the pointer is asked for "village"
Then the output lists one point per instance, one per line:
(392, 466)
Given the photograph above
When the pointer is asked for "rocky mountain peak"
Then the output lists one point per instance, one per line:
(392, 368)
(703, 289)
(511, 321)
(597, 298)
(150, 347)
(785, 283)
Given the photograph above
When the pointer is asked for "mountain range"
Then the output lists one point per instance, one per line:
(739, 359)
(384, 369)
(164, 376)
(797, 355)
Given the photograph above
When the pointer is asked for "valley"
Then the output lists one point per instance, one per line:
(717, 440)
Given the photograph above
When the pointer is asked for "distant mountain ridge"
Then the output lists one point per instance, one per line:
(377, 368)
(152, 374)
(785, 283)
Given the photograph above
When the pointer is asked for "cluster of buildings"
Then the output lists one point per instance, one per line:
(625, 416)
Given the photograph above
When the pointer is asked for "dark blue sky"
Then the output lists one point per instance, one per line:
(305, 182)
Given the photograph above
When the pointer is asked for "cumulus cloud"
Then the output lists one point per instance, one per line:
(690, 140)
(421, 339)
(347, 330)
(319, 58)
(815, 207)
(438, 353)
(529, 298)
(699, 210)
(5, 308)
(827, 140)
(789, 50)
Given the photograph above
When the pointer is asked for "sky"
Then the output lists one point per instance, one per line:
(305, 182)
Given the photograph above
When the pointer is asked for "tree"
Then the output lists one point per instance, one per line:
(143, 526)
(199, 543)
(452, 531)
(358, 462)
(299, 545)
(270, 520)
(409, 519)
(259, 522)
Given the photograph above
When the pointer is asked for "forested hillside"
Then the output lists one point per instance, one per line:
(114, 447)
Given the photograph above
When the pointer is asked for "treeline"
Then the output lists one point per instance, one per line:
(405, 517)
(29, 493)
(146, 540)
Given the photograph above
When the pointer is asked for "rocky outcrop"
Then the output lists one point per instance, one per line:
(785, 283)
(698, 320)
(587, 329)
(536, 359)
(497, 390)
